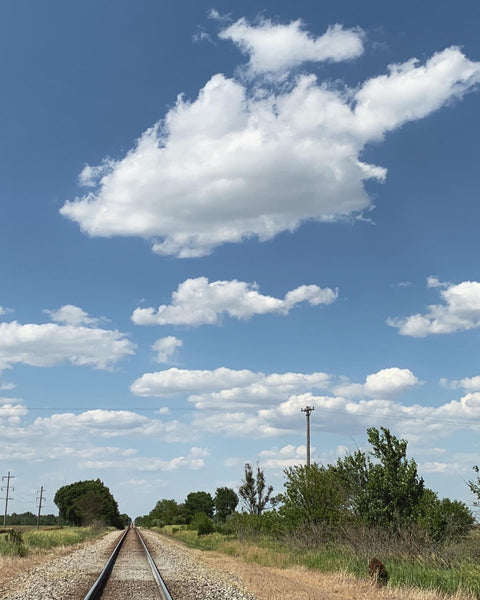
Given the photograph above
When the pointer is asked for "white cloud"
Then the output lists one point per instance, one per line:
(51, 344)
(288, 456)
(11, 410)
(434, 282)
(166, 348)
(235, 163)
(72, 315)
(107, 424)
(198, 302)
(390, 382)
(382, 384)
(193, 461)
(4, 311)
(469, 384)
(276, 48)
(4, 385)
(226, 386)
(459, 312)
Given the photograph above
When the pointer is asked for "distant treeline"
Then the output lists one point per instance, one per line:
(28, 518)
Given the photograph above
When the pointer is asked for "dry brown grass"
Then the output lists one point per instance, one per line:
(298, 583)
(269, 576)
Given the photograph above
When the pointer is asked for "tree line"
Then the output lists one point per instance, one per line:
(378, 488)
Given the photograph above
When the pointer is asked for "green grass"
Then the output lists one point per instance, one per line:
(41, 539)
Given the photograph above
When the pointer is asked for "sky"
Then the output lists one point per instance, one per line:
(215, 215)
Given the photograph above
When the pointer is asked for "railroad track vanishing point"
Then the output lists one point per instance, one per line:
(130, 572)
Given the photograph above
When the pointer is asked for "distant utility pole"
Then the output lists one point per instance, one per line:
(7, 477)
(40, 498)
(307, 410)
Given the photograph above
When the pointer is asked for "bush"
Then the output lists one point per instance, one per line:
(444, 520)
(246, 525)
(11, 544)
(202, 524)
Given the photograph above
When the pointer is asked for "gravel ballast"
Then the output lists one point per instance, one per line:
(71, 576)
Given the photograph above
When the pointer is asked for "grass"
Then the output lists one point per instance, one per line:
(16, 542)
(452, 570)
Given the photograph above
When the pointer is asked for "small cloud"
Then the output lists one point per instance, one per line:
(72, 315)
(166, 348)
(202, 36)
(401, 284)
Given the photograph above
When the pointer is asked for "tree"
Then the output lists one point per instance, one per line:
(84, 502)
(199, 502)
(386, 491)
(444, 520)
(475, 486)
(254, 493)
(313, 495)
(226, 501)
(166, 512)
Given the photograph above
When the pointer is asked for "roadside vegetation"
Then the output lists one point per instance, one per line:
(337, 518)
(22, 542)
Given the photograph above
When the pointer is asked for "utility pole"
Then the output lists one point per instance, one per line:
(7, 477)
(307, 410)
(40, 498)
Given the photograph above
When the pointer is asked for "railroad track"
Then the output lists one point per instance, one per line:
(130, 573)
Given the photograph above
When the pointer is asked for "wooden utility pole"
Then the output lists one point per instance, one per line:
(7, 477)
(307, 410)
(40, 498)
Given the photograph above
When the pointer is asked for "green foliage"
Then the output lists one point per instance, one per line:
(202, 524)
(444, 520)
(385, 492)
(248, 525)
(254, 492)
(313, 495)
(165, 512)
(28, 518)
(475, 486)
(11, 544)
(199, 502)
(84, 502)
(226, 501)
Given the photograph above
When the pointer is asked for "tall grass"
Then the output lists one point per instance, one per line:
(16, 543)
(411, 562)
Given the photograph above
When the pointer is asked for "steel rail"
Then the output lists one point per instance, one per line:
(155, 571)
(95, 592)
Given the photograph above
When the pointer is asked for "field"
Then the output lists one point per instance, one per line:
(451, 571)
(27, 547)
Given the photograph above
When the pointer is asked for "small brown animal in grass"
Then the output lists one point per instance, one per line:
(378, 572)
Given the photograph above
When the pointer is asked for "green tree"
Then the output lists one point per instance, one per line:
(444, 520)
(254, 491)
(387, 490)
(226, 501)
(199, 502)
(313, 495)
(475, 486)
(165, 512)
(83, 502)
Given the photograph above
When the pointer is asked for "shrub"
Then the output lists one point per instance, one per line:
(202, 523)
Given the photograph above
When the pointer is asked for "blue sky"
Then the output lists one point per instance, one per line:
(212, 216)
